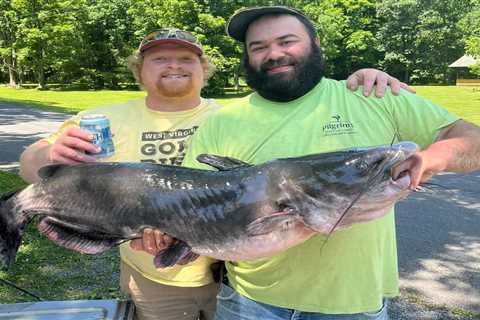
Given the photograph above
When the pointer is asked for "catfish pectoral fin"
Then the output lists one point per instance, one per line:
(172, 255)
(71, 239)
(191, 256)
(265, 225)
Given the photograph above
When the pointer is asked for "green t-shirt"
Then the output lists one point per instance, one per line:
(357, 267)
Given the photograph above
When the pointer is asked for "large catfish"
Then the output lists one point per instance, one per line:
(240, 212)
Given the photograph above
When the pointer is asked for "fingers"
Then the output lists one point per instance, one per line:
(414, 167)
(152, 241)
(365, 77)
(373, 77)
(369, 78)
(405, 86)
(61, 152)
(352, 82)
(382, 81)
(149, 242)
(137, 244)
(71, 146)
(162, 240)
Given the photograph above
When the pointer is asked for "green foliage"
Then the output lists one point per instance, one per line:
(85, 43)
(9, 182)
(421, 38)
(470, 26)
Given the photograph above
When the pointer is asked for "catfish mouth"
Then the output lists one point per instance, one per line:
(402, 182)
(405, 150)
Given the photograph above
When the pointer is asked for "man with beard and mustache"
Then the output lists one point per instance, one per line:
(172, 68)
(296, 111)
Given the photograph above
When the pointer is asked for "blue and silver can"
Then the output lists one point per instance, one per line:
(99, 125)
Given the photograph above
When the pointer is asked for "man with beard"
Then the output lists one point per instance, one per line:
(296, 111)
(172, 68)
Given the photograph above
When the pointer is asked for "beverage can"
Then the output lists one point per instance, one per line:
(99, 126)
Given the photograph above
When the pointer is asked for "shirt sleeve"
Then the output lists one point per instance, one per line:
(418, 119)
(69, 123)
(202, 142)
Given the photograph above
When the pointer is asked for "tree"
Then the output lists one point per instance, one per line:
(8, 31)
(470, 25)
(420, 38)
(45, 29)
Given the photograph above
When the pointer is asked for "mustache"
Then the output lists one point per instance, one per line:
(269, 64)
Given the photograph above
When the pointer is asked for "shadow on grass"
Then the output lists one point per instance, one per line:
(232, 93)
(47, 106)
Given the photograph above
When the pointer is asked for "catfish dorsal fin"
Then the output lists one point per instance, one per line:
(49, 170)
(222, 163)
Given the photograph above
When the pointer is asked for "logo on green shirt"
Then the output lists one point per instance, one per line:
(337, 126)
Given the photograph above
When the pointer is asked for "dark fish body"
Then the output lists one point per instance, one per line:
(241, 212)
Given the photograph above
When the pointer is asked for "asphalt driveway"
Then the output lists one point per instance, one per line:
(20, 127)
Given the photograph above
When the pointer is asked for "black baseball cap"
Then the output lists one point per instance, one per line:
(238, 23)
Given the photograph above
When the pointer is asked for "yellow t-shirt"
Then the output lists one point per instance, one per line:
(145, 135)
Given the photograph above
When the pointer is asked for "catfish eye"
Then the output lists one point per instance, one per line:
(370, 164)
(362, 165)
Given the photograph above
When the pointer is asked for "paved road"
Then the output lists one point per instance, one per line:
(438, 231)
(439, 242)
(20, 127)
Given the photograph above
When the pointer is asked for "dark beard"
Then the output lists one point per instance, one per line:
(308, 71)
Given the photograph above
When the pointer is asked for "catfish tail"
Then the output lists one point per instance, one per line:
(12, 225)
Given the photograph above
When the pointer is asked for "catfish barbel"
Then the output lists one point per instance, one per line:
(240, 212)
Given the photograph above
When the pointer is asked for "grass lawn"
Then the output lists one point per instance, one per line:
(66, 101)
(55, 273)
(464, 101)
(75, 101)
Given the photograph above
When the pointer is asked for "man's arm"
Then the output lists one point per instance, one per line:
(456, 149)
(69, 148)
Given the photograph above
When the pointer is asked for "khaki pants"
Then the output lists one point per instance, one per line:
(161, 302)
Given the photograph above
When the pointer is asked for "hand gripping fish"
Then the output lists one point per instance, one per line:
(240, 212)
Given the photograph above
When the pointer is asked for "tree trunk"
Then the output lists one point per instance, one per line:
(406, 78)
(12, 70)
(41, 71)
(236, 78)
(13, 79)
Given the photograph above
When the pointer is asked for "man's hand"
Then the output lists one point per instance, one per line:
(457, 149)
(370, 77)
(71, 146)
(421, 167)
(155, 241)
(152, 241)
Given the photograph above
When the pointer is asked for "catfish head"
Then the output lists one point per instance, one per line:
(335, 190)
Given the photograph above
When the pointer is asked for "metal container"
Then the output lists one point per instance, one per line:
(99, 125)
(68, 310)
